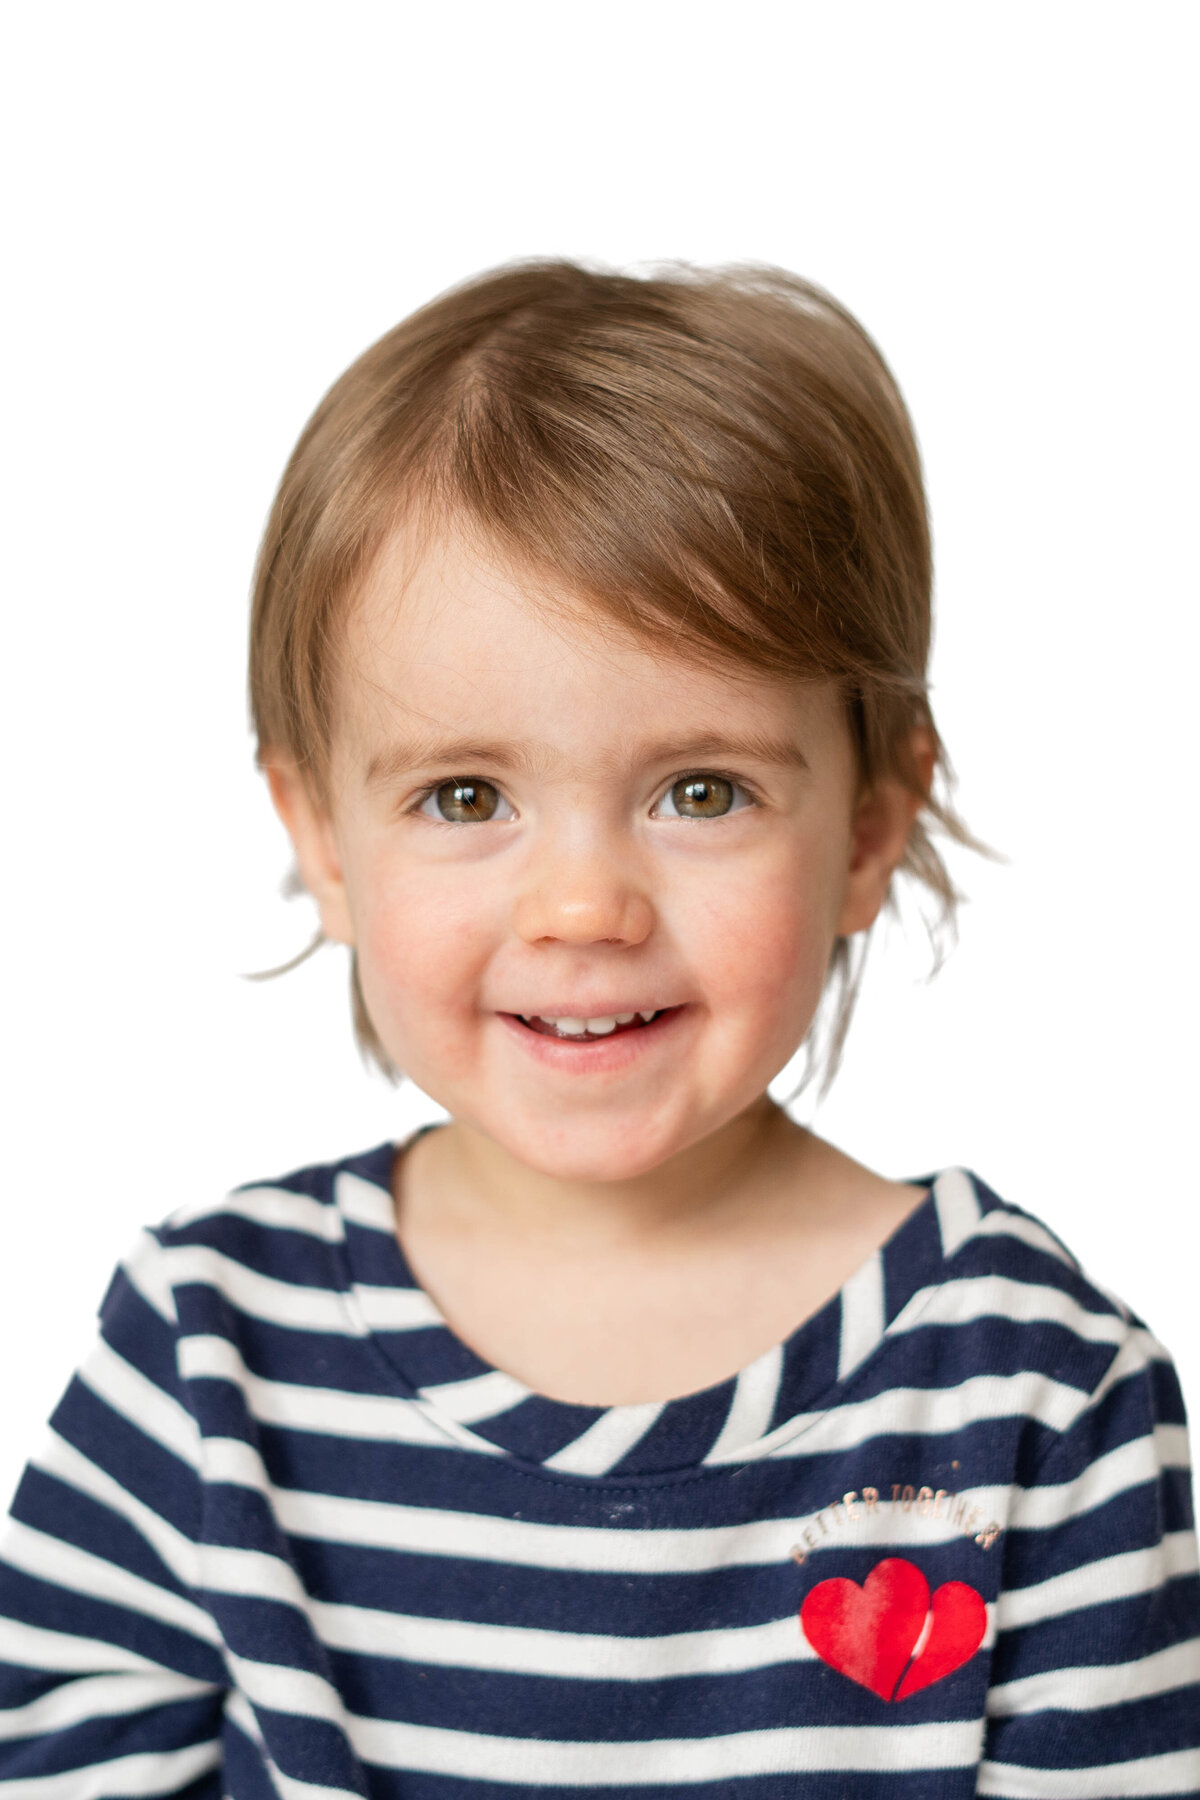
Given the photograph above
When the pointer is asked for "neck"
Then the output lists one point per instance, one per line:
(474, 1184)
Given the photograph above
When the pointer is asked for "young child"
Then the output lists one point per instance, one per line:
(619, 1436)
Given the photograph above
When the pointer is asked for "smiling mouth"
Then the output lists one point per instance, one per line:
(590, 1031)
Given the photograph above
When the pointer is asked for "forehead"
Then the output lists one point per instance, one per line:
(447, 638)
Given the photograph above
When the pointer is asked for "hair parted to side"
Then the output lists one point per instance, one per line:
(718, 461)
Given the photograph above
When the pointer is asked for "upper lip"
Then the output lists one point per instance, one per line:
(591, 1012)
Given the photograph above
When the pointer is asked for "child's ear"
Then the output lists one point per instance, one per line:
(883, 819)
(311, 830)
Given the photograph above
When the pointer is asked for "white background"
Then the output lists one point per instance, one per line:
(216, 207)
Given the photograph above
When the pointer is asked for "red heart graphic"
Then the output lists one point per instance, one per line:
(955, 1634)
(869, 1633)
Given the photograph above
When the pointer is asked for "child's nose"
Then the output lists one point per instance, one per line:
(588, 896)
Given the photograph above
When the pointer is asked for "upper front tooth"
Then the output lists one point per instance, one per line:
(573, 1027)
(626, 1018)
(599, 1027)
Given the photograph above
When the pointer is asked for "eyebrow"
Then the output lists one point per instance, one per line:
(531, 757)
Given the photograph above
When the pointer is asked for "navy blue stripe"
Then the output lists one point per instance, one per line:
(316, 1359)
(810, 1363)
(476, 1482)
(912, 1257)
(503, 1593)
(806, 1784)
(1060, 1739)
(578, 1710)
(935, 1355)
(139, 1334)
(246, 1776)
(533, 1430)
(681, 1436)
(1131, 1520)
(1004, 1254)
(137, 1461)
(174, 1726)
(1095, 1636)
(615, 1604)
(61, 1511)
(277, 1251)
(371, 1254)
(430, 1356)
(309, 1749)
(43, 1603)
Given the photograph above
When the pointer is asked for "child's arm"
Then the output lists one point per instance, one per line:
(1096, 1670)
(111, 1673)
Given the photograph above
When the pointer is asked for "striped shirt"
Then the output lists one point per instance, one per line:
(289, 1538)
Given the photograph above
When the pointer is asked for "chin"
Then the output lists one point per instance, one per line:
(590, 1150)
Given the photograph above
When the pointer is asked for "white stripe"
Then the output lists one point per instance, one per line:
(1128, 1466)
(522, 1650)
(251, 1574)
(112, 1696)
(957, 1206)
(596, 1450)
(1097, 1583)
(1023, 1302)
(478, 1397)
(365, 1204)
(150, 1772)
(383, 1418)
(61, 1652)
(1105, 1684)
(862, 1314)
(539, 1762)
(69, 1465)
(430, 1531)
(276, 1207)
(239, 1713)
(922, 1412)
(393, 1308)
(750, 1411)
(282, 1688)
(1137, 1354)
(146, 1272)
(50, 1559)
(261, 1296)
(123, 1387)
(1000, 1222)
(1176, 1772)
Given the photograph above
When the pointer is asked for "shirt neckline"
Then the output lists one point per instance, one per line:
(732, 1421)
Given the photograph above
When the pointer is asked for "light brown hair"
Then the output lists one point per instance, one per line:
(718, 461)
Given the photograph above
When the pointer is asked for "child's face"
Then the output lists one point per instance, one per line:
(645, 834)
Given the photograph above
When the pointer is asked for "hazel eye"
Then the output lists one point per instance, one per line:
(463, 801)
(703, 797)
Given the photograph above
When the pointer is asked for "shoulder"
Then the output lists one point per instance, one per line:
(1006, 1273)
(983, 1235)
(280, 1231)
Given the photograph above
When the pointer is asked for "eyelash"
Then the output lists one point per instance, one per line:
(738, 785)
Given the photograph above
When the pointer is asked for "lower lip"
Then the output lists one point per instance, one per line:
(621, 1051)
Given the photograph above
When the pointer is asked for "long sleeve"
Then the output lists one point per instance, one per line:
(111, 1674)
(1096, 1672)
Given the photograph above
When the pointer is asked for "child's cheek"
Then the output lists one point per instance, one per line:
(423, 949)
(768, 939)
